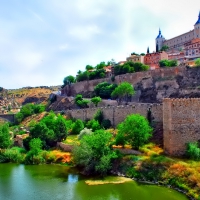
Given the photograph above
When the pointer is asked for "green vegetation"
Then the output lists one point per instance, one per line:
(130, 67)
(50, 130)
(123, 92)
(193, 151)
(77, 127)
(5, 137)
(96, 100)
(28, 110)
(69, 80)
(164, 48)
(82, 103)
(168, 63)
(94, 154)
(104, 90)
(135, 130)
(197, 62)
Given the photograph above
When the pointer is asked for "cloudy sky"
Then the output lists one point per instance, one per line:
(42, 41)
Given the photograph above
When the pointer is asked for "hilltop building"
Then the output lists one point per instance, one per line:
(135, 58)
(152, 59)
(178, 42)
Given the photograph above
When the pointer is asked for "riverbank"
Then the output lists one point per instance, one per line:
(150, 167)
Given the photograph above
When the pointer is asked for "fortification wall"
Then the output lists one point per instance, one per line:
(181, 124)
(117, 114)
(85, 87)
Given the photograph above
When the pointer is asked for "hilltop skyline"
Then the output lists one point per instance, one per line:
(41, 42)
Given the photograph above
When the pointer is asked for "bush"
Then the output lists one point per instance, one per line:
(99, 116)
(193, 151)
(106, 123)
(77, 127)
(5, 137)
(136, 130)
(84, 132)
(93, 124)
(94, 154)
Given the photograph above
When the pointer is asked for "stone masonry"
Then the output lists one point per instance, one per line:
(181, 124)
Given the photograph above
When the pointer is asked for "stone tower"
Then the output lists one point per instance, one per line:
(159, 41)
(197, 28)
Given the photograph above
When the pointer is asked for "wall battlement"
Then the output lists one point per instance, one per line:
(180, 119)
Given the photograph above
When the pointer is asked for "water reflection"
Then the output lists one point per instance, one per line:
(46, 182)
(72, 178)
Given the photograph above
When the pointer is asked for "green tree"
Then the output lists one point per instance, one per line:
(93, 124)
(164, 48)
(77, 127)
(5, 138)
(68, 80)
(197, 62)
(82, 103)
(104, 89)
(135, 129)
(60, 129)
(35, 145)
(96, 100)
(193, 151)
(124, 90)
(94, 154)
(89, 67)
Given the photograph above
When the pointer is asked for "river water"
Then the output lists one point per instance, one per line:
(52, 182)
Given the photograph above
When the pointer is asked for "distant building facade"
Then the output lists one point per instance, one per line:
(192, 49)
(136, 58)
(178, 42)
(152, 59)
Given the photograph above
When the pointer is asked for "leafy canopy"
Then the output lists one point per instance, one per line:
(135, 129)
(5, 138)
(94, 154)
(124, 90)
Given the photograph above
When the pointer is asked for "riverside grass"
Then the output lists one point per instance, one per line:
(153, 166)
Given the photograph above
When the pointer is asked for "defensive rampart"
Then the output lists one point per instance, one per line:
(133, 78)
(117, 114)
(180, 119)
(181, 124)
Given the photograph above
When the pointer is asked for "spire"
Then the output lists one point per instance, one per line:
(160, 34)
(198, 21)
(147, 49)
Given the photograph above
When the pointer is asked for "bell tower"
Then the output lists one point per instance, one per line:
(197, 28)
(159, 41)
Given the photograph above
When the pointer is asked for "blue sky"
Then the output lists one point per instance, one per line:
(42, 41)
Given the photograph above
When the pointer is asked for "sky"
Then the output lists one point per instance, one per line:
(43, 41)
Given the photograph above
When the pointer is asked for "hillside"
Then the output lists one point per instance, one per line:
(11, 100)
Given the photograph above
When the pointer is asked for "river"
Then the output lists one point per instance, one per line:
(52, 182)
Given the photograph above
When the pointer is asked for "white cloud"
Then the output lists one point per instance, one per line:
(43, 41)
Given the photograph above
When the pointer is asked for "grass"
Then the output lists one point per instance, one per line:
(72, 140)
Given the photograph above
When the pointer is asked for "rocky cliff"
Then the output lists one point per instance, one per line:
(150, 86)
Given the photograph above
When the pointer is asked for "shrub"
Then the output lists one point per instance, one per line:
(77, 127)
(94, 154)
(85, 131)
(5, 137)
(192, 151)
(106, 123)
(99, 116)
(136, 130)
(93, 124)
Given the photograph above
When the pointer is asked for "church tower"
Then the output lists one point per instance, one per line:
(159, 41)
(197, 28)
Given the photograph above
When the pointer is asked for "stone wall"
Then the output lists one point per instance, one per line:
(117, 114)
(181, 124)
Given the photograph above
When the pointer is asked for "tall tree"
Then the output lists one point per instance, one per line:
(123, 91)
